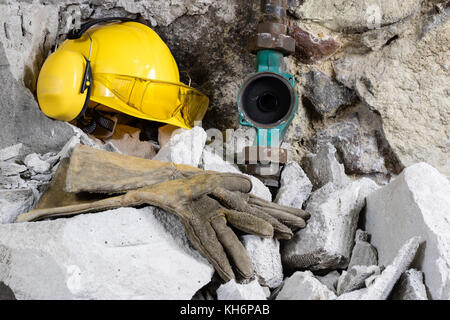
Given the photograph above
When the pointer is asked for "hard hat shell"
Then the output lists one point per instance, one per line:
(133, 71)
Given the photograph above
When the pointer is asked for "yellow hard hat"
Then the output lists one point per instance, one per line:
(122, 65)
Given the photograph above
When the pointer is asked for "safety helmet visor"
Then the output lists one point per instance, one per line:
(155, 100)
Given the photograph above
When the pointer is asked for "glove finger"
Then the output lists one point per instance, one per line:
(204, 238)
(238, 201)
(249, 223)
(233, 247)
(265, 204)
(234, 182)
(283, 217)
(280, 230)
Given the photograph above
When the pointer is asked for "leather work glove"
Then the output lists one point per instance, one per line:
(206, 202)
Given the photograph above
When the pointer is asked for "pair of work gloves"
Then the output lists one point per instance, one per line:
(206, 202)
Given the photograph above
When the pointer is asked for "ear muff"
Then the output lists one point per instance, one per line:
(59, 93)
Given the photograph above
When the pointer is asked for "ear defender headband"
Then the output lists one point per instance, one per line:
(75, 34)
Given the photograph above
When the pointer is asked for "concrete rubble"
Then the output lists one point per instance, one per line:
(421, 206)
(304, 286)
(363, 253)
(118, 254)
(235, 291)
(410, 286)
(295, 186)
(327, 240)
(355, 278)
(323, 167)
(266, 259)
(381, 288)
(330, 280)
(184, 147)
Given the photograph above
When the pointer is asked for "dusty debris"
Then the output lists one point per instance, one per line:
(383, 284)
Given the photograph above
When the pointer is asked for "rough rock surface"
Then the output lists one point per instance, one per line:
(363, 253)
(22, 121)
(355, 278)
(327, 240)
(184, 147)
(235, 291)
(323, 167)
(416, 203)
(330, 280)
(325, 94)
(357, 145)
(15, 202)
(119, 254)
(407, 83)
(355, 15)
(410, 286)
(295, 186)
(382, 286)
(266, 259)
(310, 48)
(304, 286)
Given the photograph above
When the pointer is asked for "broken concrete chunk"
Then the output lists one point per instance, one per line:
(310, 48)
(15, 202)
(12, 182)
(34, 162)
(295, 186)
(266, 259)
(8, 169)
(10, 152)
(382, 286)
(165, 134)
(355, 278)
(22, 120)
(325, 94)
(235, 291)
(323, 168)
(363, 253)
(421, 206)
(327, 240)
(330, 280)
(304, 286)
(118, 254)
(410, 286)
(184, 147)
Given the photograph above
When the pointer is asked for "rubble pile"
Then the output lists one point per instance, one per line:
(368, 157)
